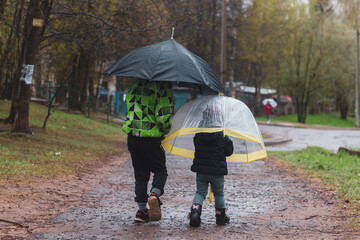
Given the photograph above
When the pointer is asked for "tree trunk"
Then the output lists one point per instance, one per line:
(301, 110)
(343, 112)
(223, 77)
(99, 81)
(50, 104)
(84, 76)
(342, 104)
(74, 96)
(213, 31)
(32, 37)
(16, 79)
(32, 41)
(22, 118)
(2, 8)
(258, 79)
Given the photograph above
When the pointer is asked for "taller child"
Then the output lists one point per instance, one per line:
(150, 106)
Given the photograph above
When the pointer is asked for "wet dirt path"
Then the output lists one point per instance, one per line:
(264, 202)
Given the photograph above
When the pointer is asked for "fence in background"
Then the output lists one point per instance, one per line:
(89, 105)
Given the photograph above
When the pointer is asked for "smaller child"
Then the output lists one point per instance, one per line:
(210, 166)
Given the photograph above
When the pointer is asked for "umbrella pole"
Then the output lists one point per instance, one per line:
(223, 120)
(247, 155)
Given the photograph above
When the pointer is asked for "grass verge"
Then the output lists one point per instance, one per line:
(328, 119)
(338, 171)
(69, 143)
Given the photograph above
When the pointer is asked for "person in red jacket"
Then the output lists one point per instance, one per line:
(267, 109)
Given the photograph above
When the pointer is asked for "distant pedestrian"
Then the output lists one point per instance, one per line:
(150, 106)
(210, 166)
(268, 109)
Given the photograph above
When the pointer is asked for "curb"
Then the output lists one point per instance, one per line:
(309, 126)
(349, 151)
(275, 141)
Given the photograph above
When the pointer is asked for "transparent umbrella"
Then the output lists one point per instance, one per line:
(226, 114)
(272, 102)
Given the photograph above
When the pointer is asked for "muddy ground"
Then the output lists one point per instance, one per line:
(265, 201)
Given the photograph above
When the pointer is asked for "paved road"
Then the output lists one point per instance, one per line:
(330, 139)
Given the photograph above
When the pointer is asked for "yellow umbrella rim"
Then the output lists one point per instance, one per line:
(233, 158)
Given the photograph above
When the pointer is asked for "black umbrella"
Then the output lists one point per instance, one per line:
(167, 61)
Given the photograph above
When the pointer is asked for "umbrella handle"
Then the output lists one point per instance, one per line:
(211, 195)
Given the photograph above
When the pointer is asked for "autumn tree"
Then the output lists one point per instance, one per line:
(304, 58)
(338, 71)
(87, 37)
(351, 12)
(36, 9)
(259, 40)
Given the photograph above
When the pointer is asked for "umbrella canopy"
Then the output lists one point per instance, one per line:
(167, 61)
(271, 101)
(213, 114)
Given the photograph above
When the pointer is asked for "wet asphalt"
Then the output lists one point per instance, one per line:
(300, 138)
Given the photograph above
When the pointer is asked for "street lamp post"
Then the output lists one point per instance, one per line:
(223, 44)
(357, 81)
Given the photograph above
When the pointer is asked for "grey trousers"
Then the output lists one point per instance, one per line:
(217, 185)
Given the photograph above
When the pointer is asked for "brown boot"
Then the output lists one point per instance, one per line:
(154, 204)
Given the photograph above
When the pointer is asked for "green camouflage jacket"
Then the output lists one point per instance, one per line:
(150, 105)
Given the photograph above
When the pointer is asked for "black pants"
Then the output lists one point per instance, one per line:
(147, 156)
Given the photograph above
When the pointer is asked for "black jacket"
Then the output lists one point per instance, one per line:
(211, 150)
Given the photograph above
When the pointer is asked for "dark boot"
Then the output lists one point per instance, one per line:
(221, 217)
(194, 215)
